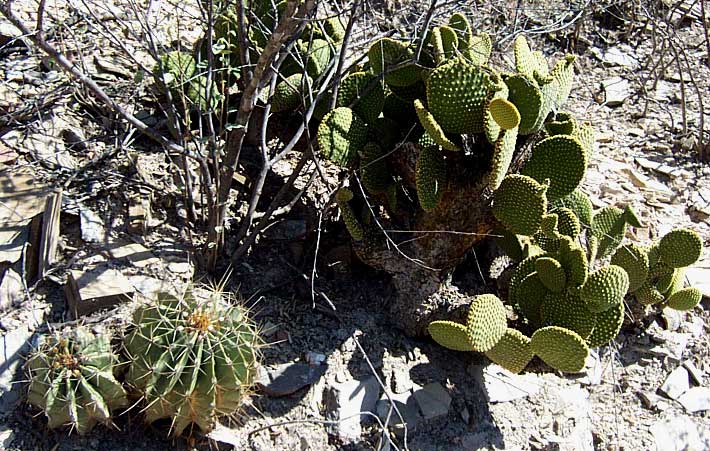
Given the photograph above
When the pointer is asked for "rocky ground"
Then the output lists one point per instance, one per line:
(333, 367)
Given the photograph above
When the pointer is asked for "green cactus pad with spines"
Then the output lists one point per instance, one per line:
(287, 96)
(609, 228)
(527, 98)
(481, 47)
(519, 204)
(521, 271)
(574, 262)
(432, 127)
(586, 135)
(334, 29)
(341, 135)
(460, 24)
(486, 322)
(71, 378)
(430, 177)
(437, 42)
(647, 294)
(503, 151)
(605, 287)
(342, 198)
(374, 173)
(685, 299)
(450, 335)
(548, 226)
(562, 160)
(193, 358)
(634, 260)
(530, 293)
(579, 203)
(504, 113)
(525, 63)
(364, 92)
(551, 274)
(197, 93)
(568, 311)
(560, 348)
(491, 128)
(567, 222)
(456, 94)
(562, 73)
(632, 218)
(387, 53)
(513, 351)
(680, 247)
(449, 40)
(677, 282)
(608, 325)
(317, 54)
(561, 124)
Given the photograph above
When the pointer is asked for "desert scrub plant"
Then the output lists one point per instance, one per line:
(192, 358)
(72, 380)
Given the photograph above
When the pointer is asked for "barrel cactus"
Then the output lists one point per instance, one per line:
(71, 377)
(192, 358)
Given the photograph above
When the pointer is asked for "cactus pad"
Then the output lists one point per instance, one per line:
(364, 92)
(568, 311)
(450, 335)
(609, 228)
(680, 247)
(502, 156)
(608, 325)
(561, 124)
(432, 127)
(527, 98)
(342, 198)
(387, 53)
(504, 113)
(562, 160)
(430, 177)
(519, 204)
(605, 287)
(71, 380)
(647, 294)
(574, 261)
(480, 50)
(530, 295)
(341, 135)
(560, 348)
(456, 93)
(579, 203)
(685, 299)
(634, 260)
(551, 274)
(287, 95)
(374, 172)
(486, 323)
(513, 351)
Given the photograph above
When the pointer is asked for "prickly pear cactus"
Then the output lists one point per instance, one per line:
(72, 380)
(192, 358)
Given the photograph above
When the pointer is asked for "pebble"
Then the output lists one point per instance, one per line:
(407, 407)
(287, 378)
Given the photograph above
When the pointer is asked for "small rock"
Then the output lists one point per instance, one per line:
(672, 319)
(680, 434)
(406, 406)
(433, 400)
(649, 400)
(6, 436)
(180, 267)
(92, 226)
(137, 254)
(676, 383)
(695, 374)
(12, 347)
(315, 358)
(616, 90)
(223, 434)
(346, 401)
(287, 378)
(11, 290)
(95, 289)
(618, 56)
(401, 382)
(502, 386)
(696, 399)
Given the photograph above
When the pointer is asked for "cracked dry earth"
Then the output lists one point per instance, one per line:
(324, 367)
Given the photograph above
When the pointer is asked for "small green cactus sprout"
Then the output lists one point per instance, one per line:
(193, 357)
(343, 198)
(433, 129)
(520, 203)
(72, 381)
(605, 287)
(513, 351)
(680, 247)
(486, 323)
(430, 177)
(450, 335)
(560, 348)
(341, 135)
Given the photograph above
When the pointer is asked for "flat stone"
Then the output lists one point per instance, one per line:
(672, 318)
(616, 90)
(288, 378)
(137, 254)
(619, 56)
(346, 402)
(695, 399)
(680, 434)
(433, 400)
(92, 226)
(11, 290)
(96, 289)
(13, 345)
(406, 406)
(695, 373)
(502, 386)
(676, 383)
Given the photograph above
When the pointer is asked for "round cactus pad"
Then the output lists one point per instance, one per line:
(634, 259)
(430, 177)
(486, 322)
(560, 348)
(513, 351)
(527, 98)
(519, 204)
(685, 299)
(450, 335)
(364, 92)
(681, 247)
(562, 160)
(341, 135)
(568, 311)
(504, 113)
(608, 325)
(605, 287)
